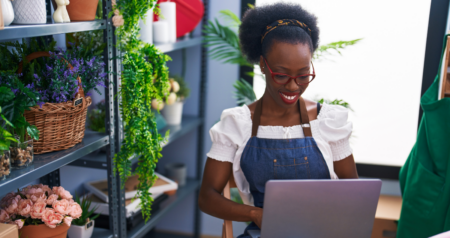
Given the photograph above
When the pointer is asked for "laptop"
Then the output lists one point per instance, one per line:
(319, 208)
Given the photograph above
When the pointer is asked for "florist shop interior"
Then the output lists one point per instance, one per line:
(180, 118)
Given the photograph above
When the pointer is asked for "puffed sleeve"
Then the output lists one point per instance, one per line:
(227, 135)
(336, 130)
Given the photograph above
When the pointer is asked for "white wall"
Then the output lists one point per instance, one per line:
(380, 77)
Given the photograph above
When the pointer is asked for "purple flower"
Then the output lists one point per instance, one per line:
(48, 67)
(40, 104)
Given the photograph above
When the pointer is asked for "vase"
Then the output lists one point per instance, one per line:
(82, 10)
(7, 12)
(21, 154)
(43, 231)
(81, 231)
(29, 12)
(173, 113)
(5, 164)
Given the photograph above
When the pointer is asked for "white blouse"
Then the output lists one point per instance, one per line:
(330, 130)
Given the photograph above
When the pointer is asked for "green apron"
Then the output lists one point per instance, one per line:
(425, 176)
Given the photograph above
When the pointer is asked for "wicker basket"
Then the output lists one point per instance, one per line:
(61, 125)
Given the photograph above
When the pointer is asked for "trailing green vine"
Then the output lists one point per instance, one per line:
(144, 77)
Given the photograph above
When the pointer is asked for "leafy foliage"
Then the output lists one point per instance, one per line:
(336, 47)
(244, 92)
(97, 117)
(87, 213)
(335, 102)
(142, 81)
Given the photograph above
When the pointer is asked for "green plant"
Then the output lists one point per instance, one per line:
(335, 102)
(5, 136)
(223, 43)
(144, 77)
(97, 117)
(87, 213)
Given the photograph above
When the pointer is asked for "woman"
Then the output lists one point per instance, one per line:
(282, 135)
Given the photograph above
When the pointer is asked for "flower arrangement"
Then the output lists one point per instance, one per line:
(178, 91)
(38, 204)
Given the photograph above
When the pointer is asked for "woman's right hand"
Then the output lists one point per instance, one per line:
(256, 216)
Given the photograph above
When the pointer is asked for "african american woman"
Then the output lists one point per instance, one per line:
(282, 135)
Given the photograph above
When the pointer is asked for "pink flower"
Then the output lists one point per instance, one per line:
(38, 210)
(19, 223)
(5, 200)
(51, 219)
(4, 216)
(118, 20)
(51, 199)
(62, 206)
(68, 220)
(31, 191)
(38, 197)
(75, 210)
(65, 194)
(46, 188)
(12, 208)
(24, 207)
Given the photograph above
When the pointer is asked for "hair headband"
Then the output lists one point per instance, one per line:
(285, 22)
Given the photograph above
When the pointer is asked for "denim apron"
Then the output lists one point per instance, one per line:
(268, 159)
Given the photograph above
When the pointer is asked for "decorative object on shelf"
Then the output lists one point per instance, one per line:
(6, 13)
(161, 185)
(39, 211)
(161, 32)
(173, 110)
(21, 154)
(52, 117)
(8, 231)
(147, 27)
(60, 15)
(177, 172)
(169, 14)
(188, 16)
(83, 226)
(144, 77)
(82, 10)
(29, 12)
(5, 164)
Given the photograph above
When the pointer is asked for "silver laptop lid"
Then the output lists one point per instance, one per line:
(320, 208)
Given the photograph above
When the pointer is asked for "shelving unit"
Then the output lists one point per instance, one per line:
(46, 166)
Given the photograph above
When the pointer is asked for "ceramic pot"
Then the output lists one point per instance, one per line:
(43, 231)
(7, 12)
(5, 164)
(29, 12)
(82, 10)
(173, 113)
(81, 231)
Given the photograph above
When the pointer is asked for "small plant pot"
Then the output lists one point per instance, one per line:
(29, 12)
(82, 10)
(5, 164)
(43, 231)
(177, 172)
(81, 231)
(21, 154)
(173, 113)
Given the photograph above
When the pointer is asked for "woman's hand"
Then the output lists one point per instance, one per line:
(256, 216)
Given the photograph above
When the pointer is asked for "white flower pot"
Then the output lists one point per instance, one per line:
(29, 12)
(81, 231)
(173, 113)
(7, 12)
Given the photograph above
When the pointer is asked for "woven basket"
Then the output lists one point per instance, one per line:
(61, 125)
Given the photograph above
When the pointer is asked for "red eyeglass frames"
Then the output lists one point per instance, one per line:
(280, 78)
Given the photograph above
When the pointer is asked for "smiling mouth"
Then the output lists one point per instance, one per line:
(289, 98)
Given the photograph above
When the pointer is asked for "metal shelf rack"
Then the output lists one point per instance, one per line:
(46, 166)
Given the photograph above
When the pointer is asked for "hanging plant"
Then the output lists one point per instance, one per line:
(144, 77)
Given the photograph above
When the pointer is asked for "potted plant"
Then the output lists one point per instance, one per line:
(40, 212)
(83, 226)
(173, 110)
(5, 140)
(16, 98)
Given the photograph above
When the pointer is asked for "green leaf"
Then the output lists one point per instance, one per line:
(4, 145)
(244, 92)
(6, 95)
(7, 121)
(33, 131)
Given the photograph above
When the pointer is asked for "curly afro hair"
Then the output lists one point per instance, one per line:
(255, 21)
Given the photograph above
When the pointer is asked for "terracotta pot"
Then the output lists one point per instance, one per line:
(43, 231)
(81, 10)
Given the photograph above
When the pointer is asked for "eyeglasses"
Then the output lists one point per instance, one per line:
(280, 78)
